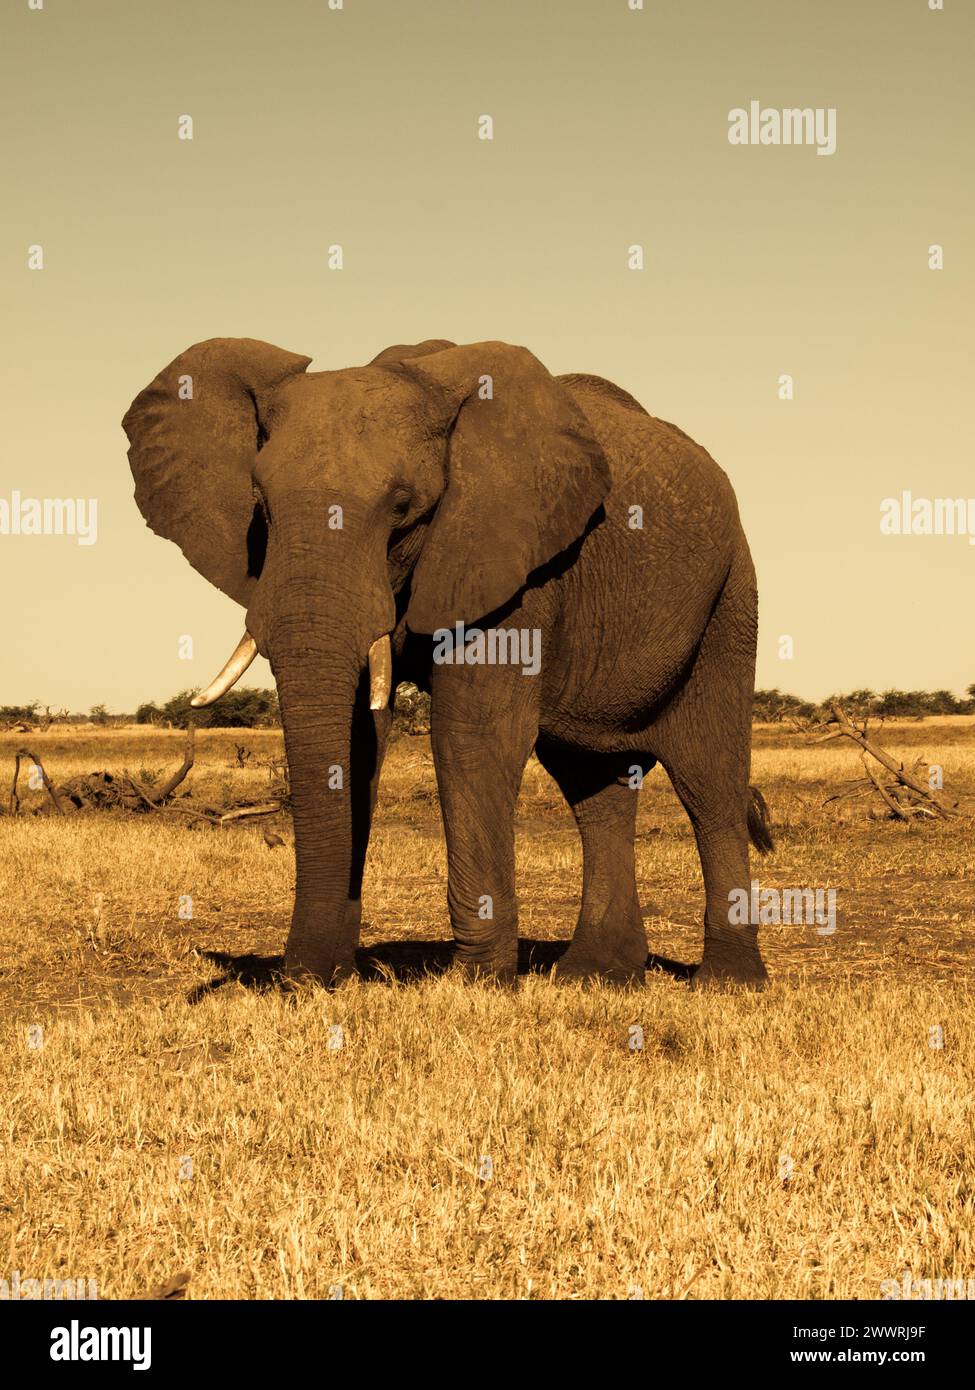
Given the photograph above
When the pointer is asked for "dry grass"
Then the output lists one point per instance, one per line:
(664, 1169)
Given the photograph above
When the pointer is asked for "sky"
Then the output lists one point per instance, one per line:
(314, 126)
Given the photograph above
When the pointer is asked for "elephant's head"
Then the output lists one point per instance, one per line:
(433, 482)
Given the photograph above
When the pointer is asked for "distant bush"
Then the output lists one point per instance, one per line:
(920, 702)
(245, 708)
(772, 705)
(411, 710)
(241, 708)
(19, 714)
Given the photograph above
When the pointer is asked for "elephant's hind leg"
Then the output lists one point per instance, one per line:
(609, 940)
(704, 741)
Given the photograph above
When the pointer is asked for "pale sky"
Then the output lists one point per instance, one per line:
(359, 127)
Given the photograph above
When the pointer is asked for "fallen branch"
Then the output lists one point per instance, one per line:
(141, 792)
(26, 753)
(930, 802)
(193, 813)
(14, 798)
(125, 792)
(897, 811)
(850, 730)
(906, 797)
(264, 809)
(180, 773)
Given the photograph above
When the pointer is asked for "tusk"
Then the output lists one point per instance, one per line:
(244, 653)
(380, 672)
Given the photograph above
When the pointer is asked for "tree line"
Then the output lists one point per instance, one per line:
(245, 707)
(773, 705)
(241, 708)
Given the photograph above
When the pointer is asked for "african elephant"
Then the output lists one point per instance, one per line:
(359, 515)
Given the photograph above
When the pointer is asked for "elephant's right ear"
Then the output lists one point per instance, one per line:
(193, 435)
(526, 475)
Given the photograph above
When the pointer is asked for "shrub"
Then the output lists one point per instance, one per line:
(244, 707)
(772, 705)
(19, 714)
(411, 710)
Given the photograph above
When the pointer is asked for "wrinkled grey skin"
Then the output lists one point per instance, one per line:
(501, 503)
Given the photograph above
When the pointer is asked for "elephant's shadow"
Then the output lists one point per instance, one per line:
(390, 962)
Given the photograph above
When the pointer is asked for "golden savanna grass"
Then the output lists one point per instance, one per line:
(808, 1142)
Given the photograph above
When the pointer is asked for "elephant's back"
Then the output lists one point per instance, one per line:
(635, 605)
(657, 466)
(583, 383)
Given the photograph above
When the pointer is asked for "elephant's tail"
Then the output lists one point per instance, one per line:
(759, 829)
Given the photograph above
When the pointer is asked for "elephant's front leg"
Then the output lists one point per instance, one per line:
(480, 747)
(370, 737)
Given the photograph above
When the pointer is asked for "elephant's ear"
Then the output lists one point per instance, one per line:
(404, 352)
(525, 476)
(193, 435)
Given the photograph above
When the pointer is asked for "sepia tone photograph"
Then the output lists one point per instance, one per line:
(487, 713)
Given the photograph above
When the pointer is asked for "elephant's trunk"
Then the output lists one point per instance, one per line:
(317, 691)
(317, 619)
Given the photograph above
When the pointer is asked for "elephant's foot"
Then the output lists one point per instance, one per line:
(294, 978)
(326, 958)
(498, 967)
(743, 972)
(586, 966)
(328, 970)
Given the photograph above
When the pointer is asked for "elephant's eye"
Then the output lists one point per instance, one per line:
(401, 501)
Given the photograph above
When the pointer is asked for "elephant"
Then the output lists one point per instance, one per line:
(433, 517)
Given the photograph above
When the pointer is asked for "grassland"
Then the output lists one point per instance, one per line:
(808, 1142)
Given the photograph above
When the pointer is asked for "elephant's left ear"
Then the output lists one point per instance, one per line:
(525, 476)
